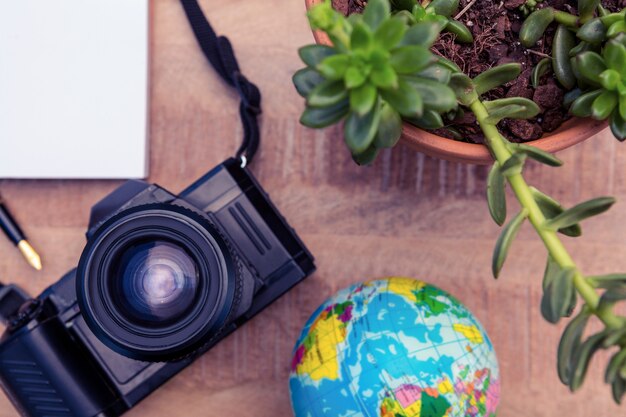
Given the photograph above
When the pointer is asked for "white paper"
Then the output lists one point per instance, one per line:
(73, 88)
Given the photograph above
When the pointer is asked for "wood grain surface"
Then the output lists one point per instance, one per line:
(407, 215)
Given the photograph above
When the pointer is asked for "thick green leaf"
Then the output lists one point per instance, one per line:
(436, 72)
(410, 59)
(551, 208)
(423, 34)
(540, 70)
(558, 294)
(496, 76)
(384, 77)
(359, 131)
(334, 67)
(361, 37)
(609, 280)
(570, 343)
(580, 212)
(390, 33)
(436, 96)
(513, 165)
(593, 31)
(610, 79)
(570, 96)
(582, 357)
(564, 41)
(604, 105)
(366, 157)
(504, 242)
(586, 9)
(616, 28)
(535, 25)
(312, 55)
(581, 107)
(405, 99)
(389, 129)
(496, 198)
(461, 31)
(318, 117)
(306, 80)
(539, 155)
(363, 98)
(552, 268)
(450, 65)
(615, 337)
(618, 388)
(327, 94)
(615, 56)
(463, 88)
(375, 13)
(355, 76)
(444, 7)
(615, 364)
(614, 295)
(618, 126)
(590, 65)
(612, 18)
(429, 120)
(510, 108)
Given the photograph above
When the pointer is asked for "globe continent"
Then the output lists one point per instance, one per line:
(396, 347)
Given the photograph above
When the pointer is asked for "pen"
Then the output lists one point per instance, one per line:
(15, 235)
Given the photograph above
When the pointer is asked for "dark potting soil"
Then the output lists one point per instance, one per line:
(495, 25)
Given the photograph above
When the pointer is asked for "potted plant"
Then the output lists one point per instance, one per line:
(377, 69)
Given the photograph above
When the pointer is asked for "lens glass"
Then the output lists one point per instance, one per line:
(154, 282)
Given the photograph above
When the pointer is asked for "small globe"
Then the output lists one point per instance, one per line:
(396, 347)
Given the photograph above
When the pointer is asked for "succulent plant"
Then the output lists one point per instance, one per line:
(379, 70)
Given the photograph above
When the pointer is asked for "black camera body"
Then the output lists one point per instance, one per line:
(163, 278)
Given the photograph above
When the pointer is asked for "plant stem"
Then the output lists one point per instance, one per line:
(553, 244)
(565, 18)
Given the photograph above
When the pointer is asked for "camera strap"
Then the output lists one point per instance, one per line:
(219, 52)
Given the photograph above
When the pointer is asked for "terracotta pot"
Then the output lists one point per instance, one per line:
(570, 133)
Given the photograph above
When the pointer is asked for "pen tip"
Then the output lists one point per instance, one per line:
(30, 254)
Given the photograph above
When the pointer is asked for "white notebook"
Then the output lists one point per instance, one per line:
(73, 88)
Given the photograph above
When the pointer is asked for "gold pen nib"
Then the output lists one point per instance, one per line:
(30, 254)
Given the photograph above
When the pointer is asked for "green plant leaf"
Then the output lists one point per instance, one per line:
(618, 126)
(540, 70)
(539, 155)
(504, 241)
(436, 96)
(363, 98)
(590, 65)
(615, 56)
(615, 337)
(563, 42)
(403, 4)
(361, 38)
(586, 9)
(384, 77)
(513, 165)
(616, 28)
(618, 360)
(366, 157)
(405, 99)
(558, 294)
(463, 88)
(423, 34)
(389, 129)
(571, 96)
(334, 67)
(356, 76)
(552, 268)
(609, 280)
(604, 105)
(461, 31)
(312, 55)
(618, 388)
(614, 295)
(429, 120)
(510, 108)
(581, 107)
(436, 72)
(496, 198)
(496, 76)
(535, 25)
(410, 59)
(318, 117)
(326, 94)
(305, 80)
(570, 343)
(551, 208)
(359, 131)
(593, 31)
(582, 357)
(610, 79)
(580, 212)
(390, 33)
(444, 7)
(375, 13)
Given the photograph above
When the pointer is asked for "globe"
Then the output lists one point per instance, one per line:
(395, 347)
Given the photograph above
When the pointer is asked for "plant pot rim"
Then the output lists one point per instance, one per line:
(571, 132)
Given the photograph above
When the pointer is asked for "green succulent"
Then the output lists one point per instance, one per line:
(437, 11)
(378, 71)
(605, 76)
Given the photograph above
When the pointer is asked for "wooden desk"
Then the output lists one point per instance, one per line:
(407, 215)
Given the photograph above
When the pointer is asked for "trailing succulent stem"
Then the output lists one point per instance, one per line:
(380, 71)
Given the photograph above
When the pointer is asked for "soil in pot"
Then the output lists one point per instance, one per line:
(495, 26)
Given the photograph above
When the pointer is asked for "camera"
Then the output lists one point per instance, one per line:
(162, 279)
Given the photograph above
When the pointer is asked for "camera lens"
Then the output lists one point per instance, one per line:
(154, 282)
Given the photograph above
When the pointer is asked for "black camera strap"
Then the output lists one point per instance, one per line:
(220, 54)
